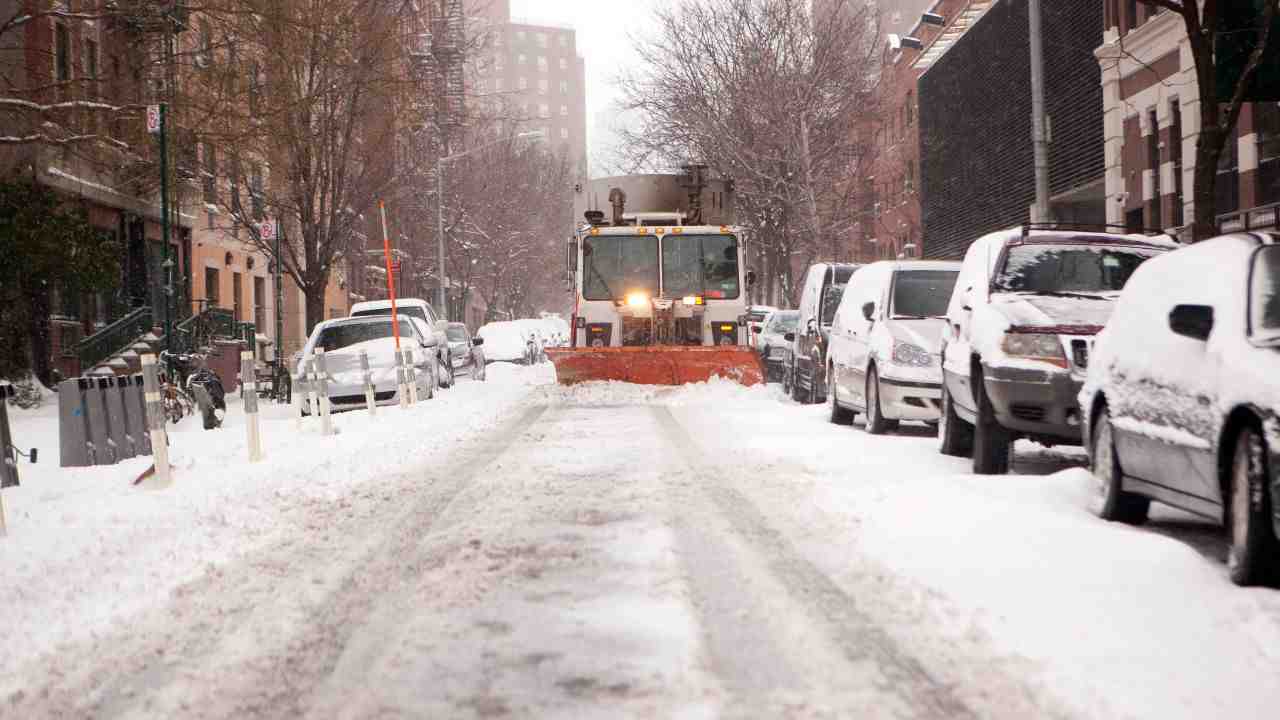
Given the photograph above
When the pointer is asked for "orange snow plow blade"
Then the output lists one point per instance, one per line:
(657, 364)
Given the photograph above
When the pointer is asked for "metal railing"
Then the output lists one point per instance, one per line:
(114, 338)
(1262, 217)
(200, 330)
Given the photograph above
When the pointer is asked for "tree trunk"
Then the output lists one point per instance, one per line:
(314, 295)
(1209, 146)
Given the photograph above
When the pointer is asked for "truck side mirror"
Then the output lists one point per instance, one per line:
(789, 337)
(812, 326)
(868, 310)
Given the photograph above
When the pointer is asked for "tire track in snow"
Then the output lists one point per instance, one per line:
(903, 684)
(256, 637)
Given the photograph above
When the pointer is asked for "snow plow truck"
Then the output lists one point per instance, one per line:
(660, 284)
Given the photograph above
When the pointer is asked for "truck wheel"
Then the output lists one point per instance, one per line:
(1252, 559)
(954, 434)
(991, 443)
(1110, 501)
(877, 424)
(838, 415)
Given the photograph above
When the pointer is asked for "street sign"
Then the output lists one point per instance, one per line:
(267, 230)
(153, 119)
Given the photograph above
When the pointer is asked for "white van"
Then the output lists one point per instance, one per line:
(803, 376)
(883, 358)
(422, 310)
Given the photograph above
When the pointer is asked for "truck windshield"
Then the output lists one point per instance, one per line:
(705, 265)
(614, 265)
(922, 293)
(1069, 268)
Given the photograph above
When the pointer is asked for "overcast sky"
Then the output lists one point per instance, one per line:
(605, 29)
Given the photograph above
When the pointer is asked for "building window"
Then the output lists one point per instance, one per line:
(542, 39)
(564, 111)
(209, 175)
(543, 111)
(1153, 155)
(61, 53)
(1227, 193)
(522, 59)
(1175, 156)
(522, 83)
(542, 63)
(91, 59)
(237, 295)
(259, 302)
(204, 45)
(256, 194)
(497, 84)
(212, 294)
(564, 86)
(564, 41)
(1266, 123)
(564, 133)
(542, 85)
(233, 181)
(1130, 14)
(520, 36)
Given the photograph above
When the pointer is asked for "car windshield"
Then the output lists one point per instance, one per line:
(615, 265)
(784, 322)
(922, 293)
(704, 265)
(336, 337)
(456, 334)
(1264, 295)
(416, 311)
(1069, 268)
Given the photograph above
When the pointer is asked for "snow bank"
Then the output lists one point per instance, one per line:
(86, 549)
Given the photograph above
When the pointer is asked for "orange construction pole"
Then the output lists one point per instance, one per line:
(391, 279)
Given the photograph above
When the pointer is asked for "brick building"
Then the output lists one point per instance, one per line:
(533, 73)
(976, 163)
(1151, 111)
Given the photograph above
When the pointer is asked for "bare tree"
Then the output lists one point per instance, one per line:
(1217, 119)
(769, 95)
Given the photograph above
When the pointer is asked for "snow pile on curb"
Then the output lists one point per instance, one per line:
(86, 548)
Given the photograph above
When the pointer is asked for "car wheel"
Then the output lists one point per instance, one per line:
(447, 378)
(991, 443)
(838, 415)
(797, 393)
(817, 383)
(1110, 501)
(1252, 558)
(431, 384)
(877, 424)
(955, 436)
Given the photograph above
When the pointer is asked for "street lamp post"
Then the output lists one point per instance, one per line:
(442, 297)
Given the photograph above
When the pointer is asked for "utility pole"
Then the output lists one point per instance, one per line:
(1039, 124)
(164, 226)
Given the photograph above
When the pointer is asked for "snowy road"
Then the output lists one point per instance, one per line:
(613, 551)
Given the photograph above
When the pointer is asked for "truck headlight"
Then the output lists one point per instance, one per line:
(912, 355)
(637, 299)
(1042, 347)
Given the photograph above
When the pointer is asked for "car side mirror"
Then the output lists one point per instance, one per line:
(756, 329)
(789, 337)
(751, 278)
(477, 342)
(812, 326)
(868, 310)
(1192, 321)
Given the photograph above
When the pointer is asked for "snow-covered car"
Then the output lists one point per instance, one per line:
(823, 287)
(1020, 322)
(510, 341)
(466, 351)
(775, 350)
(422, 310)
(885, 338)
(344, 338)
(1183, 396)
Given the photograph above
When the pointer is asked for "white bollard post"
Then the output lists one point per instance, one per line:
(313, 387)
(369, 399)
(411, 376)
(155, 419)
(322, 393)
(402, 388)
(298, 396)
(249, 387)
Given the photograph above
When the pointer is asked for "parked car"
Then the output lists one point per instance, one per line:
(1183, 396)
(803, 377)
(883, 359)
(511, 341)
(756, 317)
(344, 338)
(466, 351)
(422, 310)
(1020, 322)
(775, 350)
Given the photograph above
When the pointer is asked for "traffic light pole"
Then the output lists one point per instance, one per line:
(164, 225)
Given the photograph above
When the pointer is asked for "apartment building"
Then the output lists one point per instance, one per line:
(532, 73)
(1151, 122)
